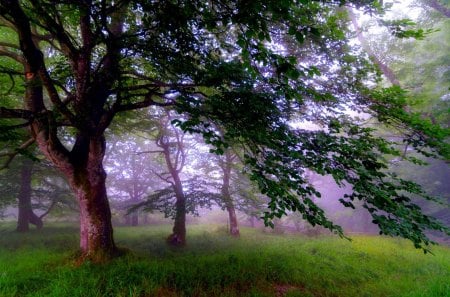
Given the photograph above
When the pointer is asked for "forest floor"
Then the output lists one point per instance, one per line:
(41, 263)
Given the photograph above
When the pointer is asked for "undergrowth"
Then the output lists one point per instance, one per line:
(42, 263)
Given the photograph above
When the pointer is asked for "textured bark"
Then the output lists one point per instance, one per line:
(82, 166)
(25, 210)
(88, 182)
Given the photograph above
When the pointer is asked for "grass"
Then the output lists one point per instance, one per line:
(41, 264)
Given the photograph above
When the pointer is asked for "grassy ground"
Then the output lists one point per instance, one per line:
(41, 264)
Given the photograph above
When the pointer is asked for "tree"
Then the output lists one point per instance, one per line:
(33, 188)
(170, 141)
(213, 61)
(26, 214)
(226, 165)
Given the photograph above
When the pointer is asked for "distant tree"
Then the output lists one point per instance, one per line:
(213, 61)
(25, 211)
(226, 164)
(33, 189)
(171, 142)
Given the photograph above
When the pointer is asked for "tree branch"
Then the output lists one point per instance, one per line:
(11, 45)
(16, 113)
(148, 152)
(57, 30)
(439, 7)
(13, 154)
(10, 54)
(48, 210)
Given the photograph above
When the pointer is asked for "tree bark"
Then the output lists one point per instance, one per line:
(175, 164)
(82, 166)
(178, 236)
(88, 182)
(25, 210)
(226, 196)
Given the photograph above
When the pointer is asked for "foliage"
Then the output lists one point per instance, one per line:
(197, 196)
(227, 64)
(39, 264)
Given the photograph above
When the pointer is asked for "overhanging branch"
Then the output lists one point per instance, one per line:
(9, 113)
(11, 155)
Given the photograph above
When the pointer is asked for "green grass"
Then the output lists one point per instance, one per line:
(41, 264)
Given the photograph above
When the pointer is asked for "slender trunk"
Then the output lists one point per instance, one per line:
(226, 196)
(24, 198)
(25, 211)
(178, 236)
(234, 228)
(385, 69)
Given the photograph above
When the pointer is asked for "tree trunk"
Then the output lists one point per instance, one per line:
(87, 180)
(226, 196)
(234, 228)
(178, 236)
(25, 211)
(82, 165)
(96, 232)
(385, 69)
(24, 198)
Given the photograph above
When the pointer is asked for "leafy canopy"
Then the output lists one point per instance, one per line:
(256, 69)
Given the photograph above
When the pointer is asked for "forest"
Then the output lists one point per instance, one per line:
(224, 148)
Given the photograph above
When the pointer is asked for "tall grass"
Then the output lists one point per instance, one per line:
(213, 264)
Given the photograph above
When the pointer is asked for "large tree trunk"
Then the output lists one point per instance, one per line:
(26, 214)
(82, 165)
(88, 182)
(83, 169)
